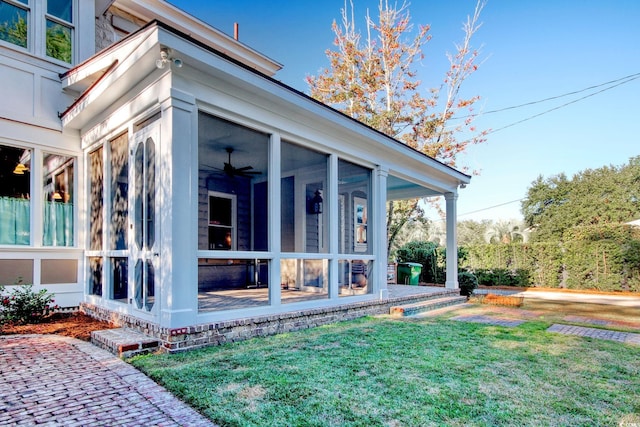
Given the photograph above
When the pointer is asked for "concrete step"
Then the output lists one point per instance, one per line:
(428, 305)
(124, 342)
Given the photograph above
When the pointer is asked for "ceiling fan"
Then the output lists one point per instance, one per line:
(233, 171)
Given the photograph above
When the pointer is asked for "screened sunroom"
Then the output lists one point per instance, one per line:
(215, 192)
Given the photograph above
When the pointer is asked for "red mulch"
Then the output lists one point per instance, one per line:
(76, 325)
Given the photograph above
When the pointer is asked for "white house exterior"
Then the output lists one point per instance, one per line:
(160, 172)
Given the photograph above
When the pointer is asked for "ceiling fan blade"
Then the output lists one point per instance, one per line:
(245, 168)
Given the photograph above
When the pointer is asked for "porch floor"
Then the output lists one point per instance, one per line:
(255, 297)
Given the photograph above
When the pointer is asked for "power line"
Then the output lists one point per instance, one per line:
(490, 207)
(628, 78)
(560, 106)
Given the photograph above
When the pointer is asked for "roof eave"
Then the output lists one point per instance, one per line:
(201, 31)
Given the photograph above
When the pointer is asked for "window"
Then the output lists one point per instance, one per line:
(59, 31)
(96, 177)
(58, 191)
(15, 195)
(222, 227)
(14, 23)
(232, 186)
(21, 19)
(354, 187)
(303, 224)
(119, 155)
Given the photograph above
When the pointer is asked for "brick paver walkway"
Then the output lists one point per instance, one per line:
(490, 320)
(52, 380)
(603, 334)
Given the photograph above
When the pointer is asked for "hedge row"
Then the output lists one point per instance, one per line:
(605, 257)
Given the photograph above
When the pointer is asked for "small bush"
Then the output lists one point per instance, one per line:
(467, 282)
(502, 277)
(24, 305)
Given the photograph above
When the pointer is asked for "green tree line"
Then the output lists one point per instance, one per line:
(576, 235)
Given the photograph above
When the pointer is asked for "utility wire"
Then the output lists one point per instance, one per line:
(627, 78)
(490, 207)
(561, 106)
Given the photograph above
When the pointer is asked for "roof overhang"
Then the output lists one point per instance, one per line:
(111, 74)
(159, 10)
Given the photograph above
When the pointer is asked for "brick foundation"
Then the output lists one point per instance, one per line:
(187, 338)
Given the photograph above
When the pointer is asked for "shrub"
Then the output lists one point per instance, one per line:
(24, 305)
(502, 277)
(424, 253)
(467, 282)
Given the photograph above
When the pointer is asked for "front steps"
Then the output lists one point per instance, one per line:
(124, 342)
(427, 305)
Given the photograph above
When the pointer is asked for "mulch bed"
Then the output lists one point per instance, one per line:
(75, 325)
(505, 300)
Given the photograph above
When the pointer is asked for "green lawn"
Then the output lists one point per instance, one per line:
(432, 371)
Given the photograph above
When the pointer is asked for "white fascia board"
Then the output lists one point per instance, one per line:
(82, 76)
(133, 65)
(200, 31)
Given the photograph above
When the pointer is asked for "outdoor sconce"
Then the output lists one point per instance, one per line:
(315, 204)
(20, 169)
(165, 59)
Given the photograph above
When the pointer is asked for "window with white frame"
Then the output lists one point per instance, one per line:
(58, 201)
(22, 20)
(222, 221)
(15, 195)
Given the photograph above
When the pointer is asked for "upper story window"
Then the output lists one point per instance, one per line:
(14, 18)
(21, 21)
(59, 31)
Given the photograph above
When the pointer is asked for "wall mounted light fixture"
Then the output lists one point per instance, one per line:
(166, 59)
(315, 204)
(20, 169)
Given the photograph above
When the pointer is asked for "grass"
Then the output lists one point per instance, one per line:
(430, 371)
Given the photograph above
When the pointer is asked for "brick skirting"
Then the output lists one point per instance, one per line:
(216, 333)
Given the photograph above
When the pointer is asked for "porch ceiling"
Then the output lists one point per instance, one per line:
(399, 189)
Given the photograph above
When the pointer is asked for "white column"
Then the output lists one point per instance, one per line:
(331, 208)
(179, 213)
(451, 200)
(379, 207)
(274, 231)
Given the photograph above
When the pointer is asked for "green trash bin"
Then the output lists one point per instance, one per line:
(409, 273)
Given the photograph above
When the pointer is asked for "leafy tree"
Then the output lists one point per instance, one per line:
(505, 232)
(416, 228)
(373, 80)
(607, 195)
(473, 232)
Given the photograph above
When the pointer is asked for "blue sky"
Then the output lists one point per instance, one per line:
(532, 50)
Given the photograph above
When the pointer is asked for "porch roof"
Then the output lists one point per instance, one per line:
(131, 65)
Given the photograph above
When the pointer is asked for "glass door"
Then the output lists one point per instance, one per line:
(144, 260)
